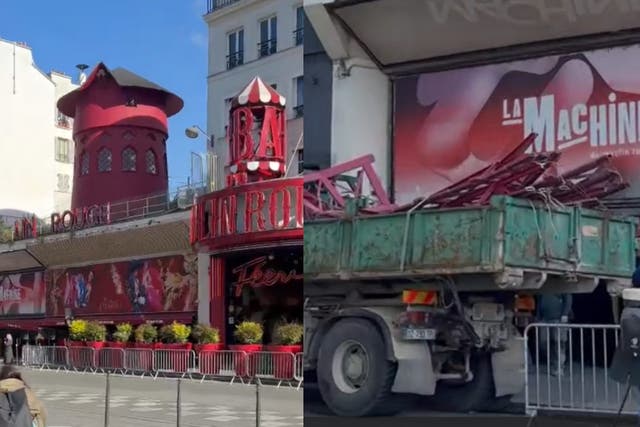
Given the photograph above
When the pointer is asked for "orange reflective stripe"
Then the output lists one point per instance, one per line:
(419, 297)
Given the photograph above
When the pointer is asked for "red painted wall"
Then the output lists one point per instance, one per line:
(102, 119)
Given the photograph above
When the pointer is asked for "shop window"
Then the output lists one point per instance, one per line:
(129, 160)
(264, 287)
(104, 160)
(150, 162)
(84, 164)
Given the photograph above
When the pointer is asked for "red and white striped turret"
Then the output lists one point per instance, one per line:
(258, 93)
(256, 134)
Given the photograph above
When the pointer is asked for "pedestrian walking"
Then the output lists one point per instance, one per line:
(8, 349)
(19, 403)
(554, 309)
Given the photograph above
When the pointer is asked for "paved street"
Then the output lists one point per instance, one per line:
(77, 400)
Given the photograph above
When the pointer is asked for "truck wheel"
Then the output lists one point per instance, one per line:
(467, 397)
(354, 376)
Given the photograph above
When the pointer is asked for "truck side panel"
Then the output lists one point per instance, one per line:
(508, 234)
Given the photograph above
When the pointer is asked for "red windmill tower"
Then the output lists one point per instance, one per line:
(120, 132)
(256, 135)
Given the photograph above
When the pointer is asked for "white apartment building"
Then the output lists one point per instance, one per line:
(249, 38)
(36, 148)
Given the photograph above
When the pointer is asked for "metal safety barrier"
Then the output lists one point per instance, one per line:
(111, 359)
(298, 373)
(223, 364)
(138, 361)
(216, 364)
(567, 369)
(174, 362)
(49, 357)
(82, 359)
(275, 366)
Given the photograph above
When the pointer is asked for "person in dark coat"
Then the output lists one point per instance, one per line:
(554, 309)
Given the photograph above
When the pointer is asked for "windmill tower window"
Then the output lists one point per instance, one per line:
(84, 164)
(151, 164)
(129, 160)
(104, 160)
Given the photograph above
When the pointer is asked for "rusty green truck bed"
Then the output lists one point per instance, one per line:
(508, 234)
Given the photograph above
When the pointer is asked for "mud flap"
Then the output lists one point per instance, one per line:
(508, 367)
(415, 373)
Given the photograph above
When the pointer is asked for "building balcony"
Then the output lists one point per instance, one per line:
(215, 5)
(235, 59)
(298, 36)
(267, 47)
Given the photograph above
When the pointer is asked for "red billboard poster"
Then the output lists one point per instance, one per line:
(22, 293)
(450, 124)
(168, 284)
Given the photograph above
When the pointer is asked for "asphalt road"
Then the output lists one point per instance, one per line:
(78, 400)
(317, 415)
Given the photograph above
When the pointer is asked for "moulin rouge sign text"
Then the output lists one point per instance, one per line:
(73, 219)
(255, 275)
(250, 210)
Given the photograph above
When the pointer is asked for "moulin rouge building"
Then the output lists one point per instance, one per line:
(250, 234)
(126, 251)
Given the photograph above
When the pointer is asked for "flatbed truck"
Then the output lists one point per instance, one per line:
(428, 302)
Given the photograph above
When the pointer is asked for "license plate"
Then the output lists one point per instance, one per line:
(419, 334)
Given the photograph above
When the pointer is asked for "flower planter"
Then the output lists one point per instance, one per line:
(76, 344)
(116, 344)
(242, 368)
(145, 345)
(96, 345)
(283, 360)
(199, 348)
(174, 346)
(210, 363)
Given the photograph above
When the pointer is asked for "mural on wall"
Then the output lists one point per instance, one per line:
(450, 124)
(22, 293)
(168, 284)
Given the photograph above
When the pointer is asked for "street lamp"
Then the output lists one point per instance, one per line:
(193, 132)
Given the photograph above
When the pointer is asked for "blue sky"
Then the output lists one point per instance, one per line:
(164, 41)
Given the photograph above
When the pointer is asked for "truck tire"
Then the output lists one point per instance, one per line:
(473, 396)
(354, 376)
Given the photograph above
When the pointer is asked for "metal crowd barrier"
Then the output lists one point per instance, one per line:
(275, 366)
(567, 369)
(220, 364)
(223, 364)
(138, 361)
(298, 373)
(111, 359)
(167, 361)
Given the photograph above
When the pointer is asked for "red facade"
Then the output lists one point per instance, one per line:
(253, 228)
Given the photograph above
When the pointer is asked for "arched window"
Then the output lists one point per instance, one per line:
(129, 159)
(104, 160)
(150, 162)
(84, 163)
